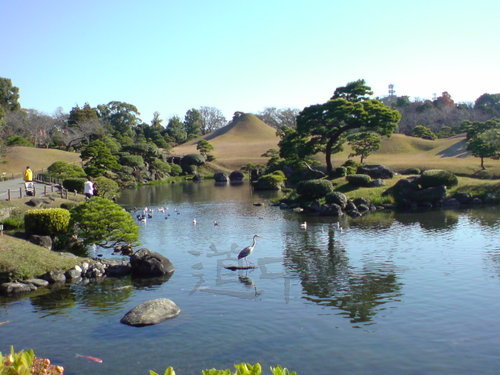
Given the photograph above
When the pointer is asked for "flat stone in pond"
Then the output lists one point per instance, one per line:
(151, 312)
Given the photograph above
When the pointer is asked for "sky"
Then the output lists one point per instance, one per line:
(244, 55)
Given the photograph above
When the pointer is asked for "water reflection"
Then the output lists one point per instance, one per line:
(328, 279)
(59, 298)
(434, 220)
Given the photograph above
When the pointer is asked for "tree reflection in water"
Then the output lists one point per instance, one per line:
(328, 280)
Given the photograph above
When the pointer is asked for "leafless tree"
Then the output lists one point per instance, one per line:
(211, 119)
(278, 117)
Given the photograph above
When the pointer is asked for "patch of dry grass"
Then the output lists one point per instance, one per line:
(21, 259)
(18, 157)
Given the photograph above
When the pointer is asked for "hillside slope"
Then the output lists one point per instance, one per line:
(242, 141)
(18, 157)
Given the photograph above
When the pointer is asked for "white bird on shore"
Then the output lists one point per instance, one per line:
(303, 225)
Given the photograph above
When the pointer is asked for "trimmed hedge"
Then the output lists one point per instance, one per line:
(437, 177)
(271, 181)
(313, 189)
(336, 197)
(359, 179)
(47, 221)
(73, 184)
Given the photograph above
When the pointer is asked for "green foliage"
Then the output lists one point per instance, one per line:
(122, 117)
(484, 140)
(13, 223)
(314, 189)
(102, 222)
(411, 171)
(79, 115)
(358, 179)
(271, 181)
(97, 158)
(72, 184)
(363, 144)
(9, 95)
(19, 363)
(18, 140)
(62, 169)
(339, 172)
(175, 129)
(351, 166)
(437, 177)
(190, 160)
(132, 161)
(106, 187)
(168, 371)
(175, 169)
(204, 147)
(336, 197)
(192, 123)
(160, 168)
(322, 127)
(240, 369)
(424, 132)
(47, 221)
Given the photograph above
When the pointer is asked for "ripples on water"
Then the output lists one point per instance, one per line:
(392, 293)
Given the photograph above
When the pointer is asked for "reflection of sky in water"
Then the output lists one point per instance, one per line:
(401, 291)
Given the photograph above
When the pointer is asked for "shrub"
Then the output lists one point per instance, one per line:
(132, 160)
(193, 159)
(47, 221)
(106, 187)
(337, 198)
(271, 181)
(241, 369)
(160, 167)
(339, 172)
(411, 171)
(175, 169)
(313, 189)
(62, 169)
(73, 184)
(359, 179)
(437, 177)
(18, 140)
(13, 223)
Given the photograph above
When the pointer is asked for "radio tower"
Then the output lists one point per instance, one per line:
(392, 92)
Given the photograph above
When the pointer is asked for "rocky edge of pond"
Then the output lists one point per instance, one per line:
(407, 192)
(143, 263)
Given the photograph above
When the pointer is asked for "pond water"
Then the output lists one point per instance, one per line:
(393, 293)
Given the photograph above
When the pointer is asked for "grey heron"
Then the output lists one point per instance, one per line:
(248, 250)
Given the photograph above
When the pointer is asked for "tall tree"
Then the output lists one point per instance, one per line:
(175, 129)
(9, 95)
(278, 118)
(488, 103)
(78, 115)
(97, 159)
(211, 119)
(349, 110)
(192, 123)
(122, 117)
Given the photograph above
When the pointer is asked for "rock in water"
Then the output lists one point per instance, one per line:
(151, 312)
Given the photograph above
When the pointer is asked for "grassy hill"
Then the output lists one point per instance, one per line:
(245, 139)
(242, 141)
(18, 157)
